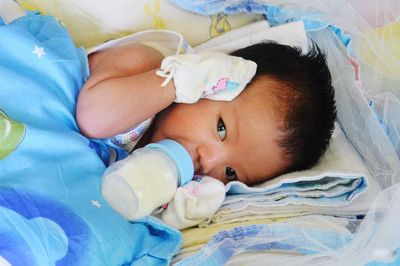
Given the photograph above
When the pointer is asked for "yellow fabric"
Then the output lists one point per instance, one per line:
(91, 23)
(386, 40)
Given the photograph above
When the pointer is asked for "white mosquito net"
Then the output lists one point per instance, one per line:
(368, 101)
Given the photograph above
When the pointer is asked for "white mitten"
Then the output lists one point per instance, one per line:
(194, 202)
(211, 75)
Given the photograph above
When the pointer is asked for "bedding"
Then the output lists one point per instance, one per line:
(51, 208)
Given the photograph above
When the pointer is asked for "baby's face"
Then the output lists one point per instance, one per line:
(228, 140)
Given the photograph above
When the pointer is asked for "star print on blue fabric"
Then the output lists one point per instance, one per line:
(39, 51)
(96, 203)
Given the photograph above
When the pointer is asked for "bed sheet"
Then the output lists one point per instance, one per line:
(51, 208)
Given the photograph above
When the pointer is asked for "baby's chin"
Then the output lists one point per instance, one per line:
(155, 133)
(197, 172)
(156, 136)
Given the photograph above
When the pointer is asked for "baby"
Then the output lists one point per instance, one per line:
(281, 122)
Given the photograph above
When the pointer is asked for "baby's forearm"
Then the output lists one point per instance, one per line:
(118, 104)
(122, 92)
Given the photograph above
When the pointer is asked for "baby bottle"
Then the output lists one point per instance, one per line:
(147, 178)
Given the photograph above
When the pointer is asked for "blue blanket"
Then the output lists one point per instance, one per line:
(51, 208)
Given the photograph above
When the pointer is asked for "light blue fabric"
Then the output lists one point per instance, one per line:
(210, 7)
(51, 208)
(319, 191)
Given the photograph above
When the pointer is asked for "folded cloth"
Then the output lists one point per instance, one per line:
(336, 181)
(194, 202)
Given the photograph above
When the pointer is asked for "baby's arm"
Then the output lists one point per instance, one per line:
(122, 91)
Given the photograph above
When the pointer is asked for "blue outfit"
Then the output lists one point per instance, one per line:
(51, 208)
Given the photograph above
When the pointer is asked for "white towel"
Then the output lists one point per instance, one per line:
(292, 34)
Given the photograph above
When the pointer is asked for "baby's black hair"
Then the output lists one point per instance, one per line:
(310, 98)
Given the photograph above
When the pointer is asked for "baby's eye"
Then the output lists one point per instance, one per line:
(230, 174)
(221, 129)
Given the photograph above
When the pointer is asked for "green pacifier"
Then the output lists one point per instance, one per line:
(11, 135)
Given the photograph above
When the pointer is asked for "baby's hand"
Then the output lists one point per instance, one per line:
(210, 75)
(194, 202)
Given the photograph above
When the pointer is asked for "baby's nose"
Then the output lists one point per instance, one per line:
(211, 157)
